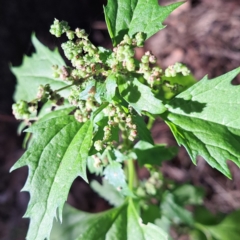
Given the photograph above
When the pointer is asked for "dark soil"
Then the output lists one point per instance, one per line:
(202, 34)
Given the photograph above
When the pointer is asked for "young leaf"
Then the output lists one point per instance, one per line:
(187, 194)
(114, 174)
(111, 85)
(205, 120)
(175, 212)
(122, 223)
(108, 192)
(56, 157)
(153, 154)
(37, 70)
(132, 16)
(139, 96)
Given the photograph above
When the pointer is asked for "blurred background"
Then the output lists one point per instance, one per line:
(204, 35)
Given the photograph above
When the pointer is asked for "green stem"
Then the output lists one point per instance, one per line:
(60, 89)
(132, 178)
(131, 174)
(150, 123)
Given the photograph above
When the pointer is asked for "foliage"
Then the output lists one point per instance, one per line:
(97, 119)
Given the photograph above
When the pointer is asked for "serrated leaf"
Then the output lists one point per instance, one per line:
(69, 228)
(36, 70)
(153, 154)
(122, 223)
(44, 115)
(56, 157)
(139, 96)
(108, 192)
(205, 119)
(132, 16)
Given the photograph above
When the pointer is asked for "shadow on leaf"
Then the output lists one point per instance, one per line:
(188, 106)
(131, 93)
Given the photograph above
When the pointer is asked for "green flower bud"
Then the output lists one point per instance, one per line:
(98, 145)
(78, 115)
(127, 39)
(80, 33)
(130, 65)
(97, 162)
(170, 72)
(70, 34)
(58, 28)
(145, 59)
(152, 59)
(150, 188)
(140, 39)
(133, 133)
(21, 110)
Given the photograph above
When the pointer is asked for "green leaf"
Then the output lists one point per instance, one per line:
(132, 16)
(205, 120)
(45, 114)
(122, 223)
(227, 229)
(88, 86)
(114, 174)
(56, 157)
(150, 213)
(100, 92)
(37, 70)
(56, 113)
(175, 212)
(104, 54)
(139, 96)
(143, 132)
(153, 154)
(189, 194)
(111, 85)
(203, 216)
(108, 192)
(184, 83)
(69, 228)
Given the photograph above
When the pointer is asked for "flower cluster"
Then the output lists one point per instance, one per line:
(92, 64)
(172, 70)
(22, 110)
(117, 119)
(151, 185)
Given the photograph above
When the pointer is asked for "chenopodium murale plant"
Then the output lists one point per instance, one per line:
(93, 113)
(97, 84)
